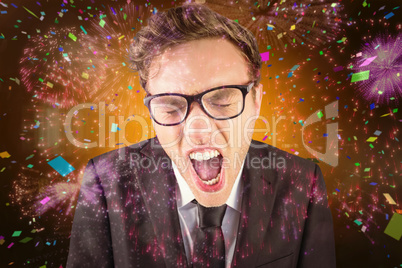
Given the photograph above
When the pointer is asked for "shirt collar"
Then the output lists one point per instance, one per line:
(186, 195)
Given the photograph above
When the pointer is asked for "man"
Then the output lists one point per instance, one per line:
(201, 193)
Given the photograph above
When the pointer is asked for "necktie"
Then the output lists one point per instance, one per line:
(209, 244)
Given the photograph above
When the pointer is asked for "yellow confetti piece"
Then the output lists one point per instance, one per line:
(389, 199)
(49, 84)
(29, 11)
(371, 139)
(4, 154)
(85, 75)
(384, 115)
(121, 37)
(292, 27)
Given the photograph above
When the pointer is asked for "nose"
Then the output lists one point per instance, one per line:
(198, 125)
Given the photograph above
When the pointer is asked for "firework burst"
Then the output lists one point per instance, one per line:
(108, 43)
(54, 68)
(277, 23)
(382, 58)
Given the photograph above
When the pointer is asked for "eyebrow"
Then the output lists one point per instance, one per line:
(200, 91)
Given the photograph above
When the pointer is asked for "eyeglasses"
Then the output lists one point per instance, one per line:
(220, 103)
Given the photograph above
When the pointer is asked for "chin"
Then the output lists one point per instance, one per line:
(212, 198)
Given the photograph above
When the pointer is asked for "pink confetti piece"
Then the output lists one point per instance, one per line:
(45, 200)
(368, 61)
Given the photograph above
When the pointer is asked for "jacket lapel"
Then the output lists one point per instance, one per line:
(258, 199)
(158, 188)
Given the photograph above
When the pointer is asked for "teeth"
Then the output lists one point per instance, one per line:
(204, 156)
(212, 181)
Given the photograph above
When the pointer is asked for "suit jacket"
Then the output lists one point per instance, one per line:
(126, 215)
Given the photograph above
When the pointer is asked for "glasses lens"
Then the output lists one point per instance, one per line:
(223, 103)
(168, 109)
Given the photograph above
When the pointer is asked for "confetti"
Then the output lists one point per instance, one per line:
(4, 154)
(394, 227)
(45, 200)
(72, 36)
(61, 166)
(264, 56)
(389, 199)
(360, 76)
(16, 233)
(368, 61)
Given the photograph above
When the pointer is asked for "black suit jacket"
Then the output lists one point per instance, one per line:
(126, 215)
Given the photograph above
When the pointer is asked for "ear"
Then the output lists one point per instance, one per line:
(258, 98)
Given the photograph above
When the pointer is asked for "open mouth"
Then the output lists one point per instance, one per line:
(207, 165)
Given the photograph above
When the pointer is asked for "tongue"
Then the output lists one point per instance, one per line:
(207, 169)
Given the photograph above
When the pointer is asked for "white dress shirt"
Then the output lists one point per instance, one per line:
(188, 215)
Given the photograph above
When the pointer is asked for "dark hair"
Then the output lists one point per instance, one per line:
(187, 23)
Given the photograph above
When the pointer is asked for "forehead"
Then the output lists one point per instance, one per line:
(196, 66)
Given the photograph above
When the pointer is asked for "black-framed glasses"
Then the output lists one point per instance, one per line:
(220, 103)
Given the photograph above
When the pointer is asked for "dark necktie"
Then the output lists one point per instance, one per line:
(209, 244)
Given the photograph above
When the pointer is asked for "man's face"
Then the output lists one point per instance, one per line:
(208, 152)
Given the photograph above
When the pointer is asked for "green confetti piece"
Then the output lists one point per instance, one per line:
(342, 40)
(30, 166)
(371, 146)
(320, 114)
(30, 12)
(26, 240)
(395, 110)
(73, 37)
(394, 227)
(361, 76)
(16, 233)
(102, 23)
(82, 28)
(358, 222)
(367, 169)
(357, 164)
